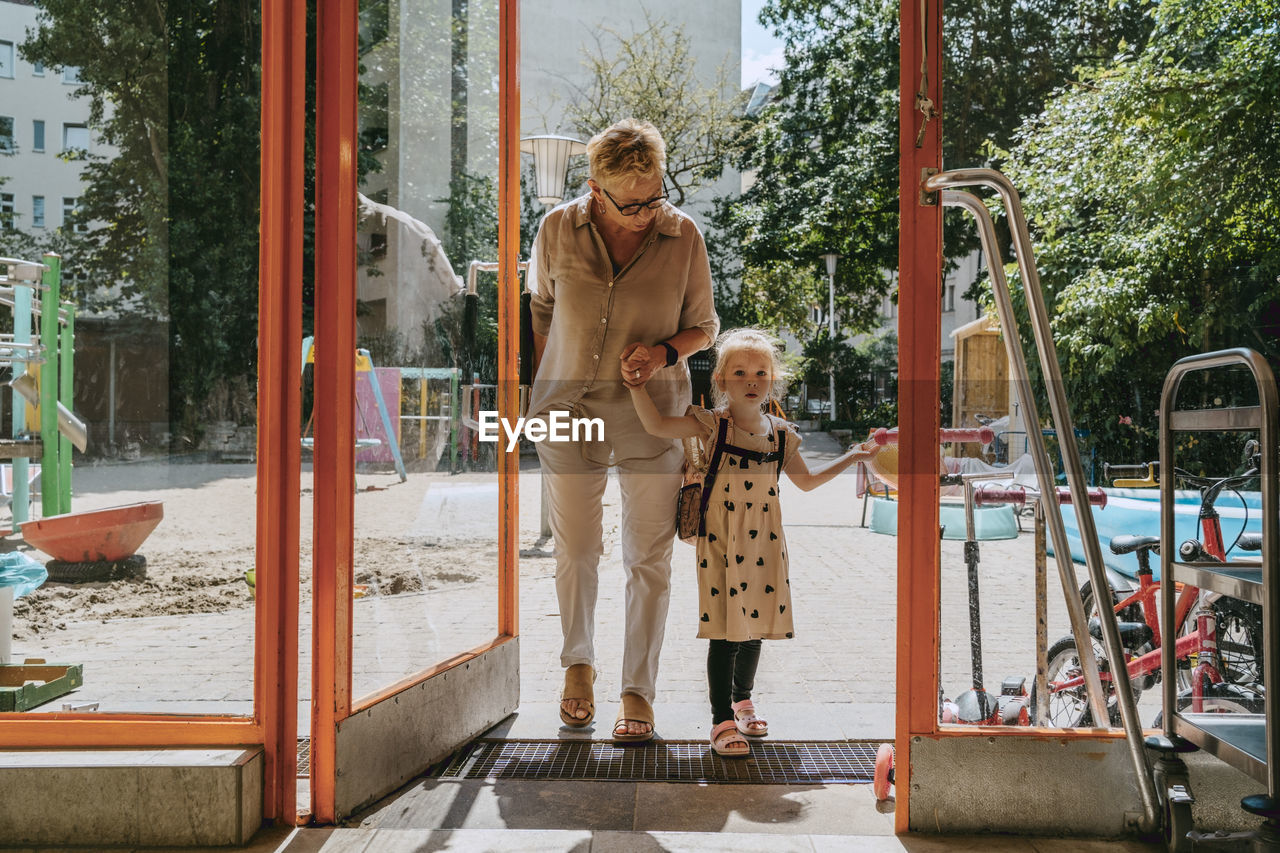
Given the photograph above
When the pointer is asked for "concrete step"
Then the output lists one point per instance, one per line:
(120, 798)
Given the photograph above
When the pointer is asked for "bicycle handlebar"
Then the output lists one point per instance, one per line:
(1211, 485)
(984, 434)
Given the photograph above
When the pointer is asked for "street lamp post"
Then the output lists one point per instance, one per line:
(830, 258)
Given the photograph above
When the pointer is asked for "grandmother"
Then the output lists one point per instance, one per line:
(617, 275)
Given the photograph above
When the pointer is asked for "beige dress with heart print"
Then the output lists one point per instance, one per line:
(744, 591)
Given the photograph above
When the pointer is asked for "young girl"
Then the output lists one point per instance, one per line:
(744, 592)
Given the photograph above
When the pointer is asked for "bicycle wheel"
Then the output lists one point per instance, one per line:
(1219, 698)
(1070, 708)
(1240, 646)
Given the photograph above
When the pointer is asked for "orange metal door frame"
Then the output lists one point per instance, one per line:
(284, 71)
(335, 433)
(919, 359)
(334, 467)
(508, 308)
(280, 287)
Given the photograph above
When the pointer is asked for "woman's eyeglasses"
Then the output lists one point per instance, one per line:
(632, 209)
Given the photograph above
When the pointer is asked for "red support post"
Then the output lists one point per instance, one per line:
(284, 72)
(335, 366)
(509, 310)
(919, 359)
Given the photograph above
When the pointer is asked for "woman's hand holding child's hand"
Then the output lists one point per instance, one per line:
(636, 365)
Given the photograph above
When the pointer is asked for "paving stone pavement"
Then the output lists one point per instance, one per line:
(837, 675)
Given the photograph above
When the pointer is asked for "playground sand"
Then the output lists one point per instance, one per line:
(198, 555)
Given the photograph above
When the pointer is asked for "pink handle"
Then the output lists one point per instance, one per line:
(1097, 497)
(984, 434)
(996, 495)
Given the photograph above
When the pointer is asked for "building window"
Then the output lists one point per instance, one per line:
(37, 135)
(75, 137)
(6, 210)
(6, 59)
(69, 214)
(37, 70)
(71, 74)
(6, 133)
(37, 211)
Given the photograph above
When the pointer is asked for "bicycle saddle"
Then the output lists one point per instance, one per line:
(1128, 544)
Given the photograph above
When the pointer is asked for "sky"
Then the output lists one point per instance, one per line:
(760, 50)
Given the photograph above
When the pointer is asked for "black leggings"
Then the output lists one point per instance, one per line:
(731, 673)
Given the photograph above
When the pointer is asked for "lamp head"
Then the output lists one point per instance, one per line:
(831, 258)
(550, 163)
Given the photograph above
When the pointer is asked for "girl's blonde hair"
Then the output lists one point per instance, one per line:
(750, 340)
(628, 150)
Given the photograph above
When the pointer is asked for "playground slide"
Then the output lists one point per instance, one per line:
(68, 424)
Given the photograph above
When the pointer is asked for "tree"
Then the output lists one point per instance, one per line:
(822, 156)
(1154, 209)
(824, 150)
(650, 74)
(174, 88)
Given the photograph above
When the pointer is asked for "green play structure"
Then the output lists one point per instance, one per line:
(43, 426)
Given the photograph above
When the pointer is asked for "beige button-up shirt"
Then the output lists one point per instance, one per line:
(589, 314)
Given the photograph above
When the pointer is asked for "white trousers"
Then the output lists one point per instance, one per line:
(574, 492)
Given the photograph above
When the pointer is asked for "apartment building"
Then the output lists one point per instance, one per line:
(41, 120)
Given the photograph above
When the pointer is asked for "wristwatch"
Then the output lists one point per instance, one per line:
(672, 355)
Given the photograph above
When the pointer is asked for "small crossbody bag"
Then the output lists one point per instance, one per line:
(698, 475)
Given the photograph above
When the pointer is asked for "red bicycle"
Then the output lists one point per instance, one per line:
(1219, 647)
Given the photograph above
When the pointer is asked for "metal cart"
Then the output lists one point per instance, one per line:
(1247, 742)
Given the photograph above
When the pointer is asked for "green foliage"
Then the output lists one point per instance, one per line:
(175, 89)
(649, 74)
(471, 233)
(1156, 217)
(856, 371)
(823, 157)
(122, 53)
(824, 154)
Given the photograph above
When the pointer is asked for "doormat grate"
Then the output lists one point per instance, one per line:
(304, 757)
(770, 763)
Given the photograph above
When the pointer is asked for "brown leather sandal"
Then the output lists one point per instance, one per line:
(634, 709)
(578, 686)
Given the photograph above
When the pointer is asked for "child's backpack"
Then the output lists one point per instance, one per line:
(698, 475)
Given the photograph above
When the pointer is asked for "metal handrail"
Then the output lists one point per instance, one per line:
(1042, 334)
(488, 266)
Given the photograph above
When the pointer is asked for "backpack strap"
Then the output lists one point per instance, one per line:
(782, 449)
(721, 432)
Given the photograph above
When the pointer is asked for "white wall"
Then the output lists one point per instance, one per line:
(27, 97)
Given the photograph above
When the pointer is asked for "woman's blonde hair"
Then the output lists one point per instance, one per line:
(628, 150)
(755, 341)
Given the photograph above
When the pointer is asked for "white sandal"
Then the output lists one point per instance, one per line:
(744, 716)
(726, 741)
